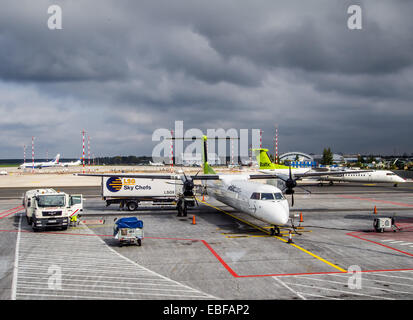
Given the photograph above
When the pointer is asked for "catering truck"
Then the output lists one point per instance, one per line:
(50, 208)
(130, 193)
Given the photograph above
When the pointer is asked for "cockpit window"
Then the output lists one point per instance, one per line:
(255, 196)
(267, 196)
(278, 196)
(390, 174)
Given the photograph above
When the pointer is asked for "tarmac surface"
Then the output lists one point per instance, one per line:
(224, 255)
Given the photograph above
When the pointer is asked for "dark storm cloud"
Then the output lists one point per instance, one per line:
(123, 69)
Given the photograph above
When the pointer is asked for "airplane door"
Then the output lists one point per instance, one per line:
(251, 206)
(76, 204)
(369, 177)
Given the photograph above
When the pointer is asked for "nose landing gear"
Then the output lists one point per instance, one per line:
(275, 231)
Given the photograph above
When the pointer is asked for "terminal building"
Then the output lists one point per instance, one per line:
(298, 159)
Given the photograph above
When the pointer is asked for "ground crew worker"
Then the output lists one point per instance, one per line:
(73, 220)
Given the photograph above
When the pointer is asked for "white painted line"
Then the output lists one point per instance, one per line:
(36, 297)
(16, 262)
(153, 272)
(375, 288)
(290, 289)
(116, 280)
(319, 296)
(93, 276)
(139, 293)
(341, 291)
(379, 281)
(77, 266)
(117, 283)
(100, 271)
(96, 285)
(394, 242)
(406, 244)
(387, 240)
(389, 276)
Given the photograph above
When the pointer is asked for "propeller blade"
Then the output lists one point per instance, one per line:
(308, 191)
(292, 199)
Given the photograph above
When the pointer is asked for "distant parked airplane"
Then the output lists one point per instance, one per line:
(158, 164)
(39, 165)
(71, 163)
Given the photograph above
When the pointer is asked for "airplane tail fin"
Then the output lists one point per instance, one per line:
(205, 165)
(264, 160)
(56, 160)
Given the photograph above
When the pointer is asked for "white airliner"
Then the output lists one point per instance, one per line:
(261, 201)
(375, 176)
(71, 163)
(157, 164)
(39, 165)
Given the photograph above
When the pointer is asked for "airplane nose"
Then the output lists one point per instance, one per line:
(276, 213)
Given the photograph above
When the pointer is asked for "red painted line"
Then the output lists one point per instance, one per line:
(225, 265)
(351, 234)
(15, 210)
(7, 211)
(401, 204)
(232, 272)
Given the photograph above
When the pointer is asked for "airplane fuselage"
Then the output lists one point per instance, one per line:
(261, 201)
(377, 176)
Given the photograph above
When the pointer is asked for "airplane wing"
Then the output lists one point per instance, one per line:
(307, 174)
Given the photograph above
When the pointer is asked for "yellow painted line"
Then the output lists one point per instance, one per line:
(279, 238)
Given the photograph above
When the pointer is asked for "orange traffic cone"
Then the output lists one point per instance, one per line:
(193, 220)
(203, 198)
(375, 210)
(290, 239)
(301, 217)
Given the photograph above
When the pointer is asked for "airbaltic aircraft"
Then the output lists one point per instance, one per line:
(375, 176)
(371, 176)
(39, 165)
(264, 202)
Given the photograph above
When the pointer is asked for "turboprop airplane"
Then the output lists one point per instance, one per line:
(370, 176)
(289, 182)
(261, 201)
(39, 165)
(374, 176)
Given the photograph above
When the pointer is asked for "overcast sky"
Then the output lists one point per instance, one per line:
(122, 69)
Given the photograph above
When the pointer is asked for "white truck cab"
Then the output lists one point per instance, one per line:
(50, 208)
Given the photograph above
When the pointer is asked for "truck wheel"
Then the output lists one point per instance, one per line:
(34, 227)
(139, 242)
(132, 206)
